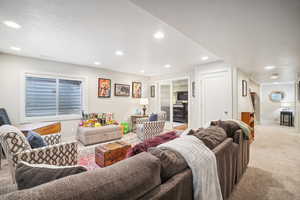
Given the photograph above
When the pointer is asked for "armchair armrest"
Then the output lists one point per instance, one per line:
(52, 139)
(60, 154)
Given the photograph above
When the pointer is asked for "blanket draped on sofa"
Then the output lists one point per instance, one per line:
(202, 162)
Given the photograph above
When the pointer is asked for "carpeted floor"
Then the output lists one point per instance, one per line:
(274, 169)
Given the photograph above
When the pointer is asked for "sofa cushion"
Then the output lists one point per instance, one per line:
(153, 118)
(29, 175)
(211, 136)
(35, 140)
(128, 179)
(171, 161)
(230, 127)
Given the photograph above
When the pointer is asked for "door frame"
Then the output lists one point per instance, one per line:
(201, 91)
(170, 80)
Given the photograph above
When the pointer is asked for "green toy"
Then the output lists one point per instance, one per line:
(125, 127)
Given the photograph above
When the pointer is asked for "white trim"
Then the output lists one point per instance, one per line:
(84, 90)
(279, 83)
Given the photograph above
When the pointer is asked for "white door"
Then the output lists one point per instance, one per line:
(216, 97)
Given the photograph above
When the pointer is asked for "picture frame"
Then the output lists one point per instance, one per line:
(136, 90)
(104, 88)
(244, 88)
(122, 90)
(152, 91)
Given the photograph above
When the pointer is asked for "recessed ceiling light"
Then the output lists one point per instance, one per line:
(142, 71)
(270, 67)
(159, 35)
(204, 58)
(168, 66)
(12, 24)
(119, 53)
(97, 63)
(275, 83)
(15, 48)
(274, 76)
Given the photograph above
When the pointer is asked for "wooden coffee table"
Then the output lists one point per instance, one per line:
(108, 154)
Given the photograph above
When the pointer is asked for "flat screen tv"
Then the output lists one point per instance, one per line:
(182, 96)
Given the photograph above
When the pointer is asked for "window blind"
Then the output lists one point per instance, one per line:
(52, 96)
(69, 97)
(40, 97)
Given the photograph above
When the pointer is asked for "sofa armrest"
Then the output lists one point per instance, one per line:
(226, 163)
(52, 139)
(243, 153)
(218, 150)
(63, 154)
(238, 136)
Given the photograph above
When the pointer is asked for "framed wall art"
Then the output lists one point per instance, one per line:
(136, 89)
(104, 88)
(152, 91)
(122, 90)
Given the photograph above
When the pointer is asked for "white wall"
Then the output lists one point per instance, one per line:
(270, 111)
(12, 67)
(244, 103)
(297, 118)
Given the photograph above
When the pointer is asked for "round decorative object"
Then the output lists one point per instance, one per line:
(276, 96)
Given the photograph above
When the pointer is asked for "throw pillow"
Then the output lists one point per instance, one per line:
(153, 142)
(192, 132)
(212, 136)
(35, 140)
(171, 162)
(153, 117)
(230, 127)
(29, 175)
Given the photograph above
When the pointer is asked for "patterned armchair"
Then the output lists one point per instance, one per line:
(146, 129)
(17, 148)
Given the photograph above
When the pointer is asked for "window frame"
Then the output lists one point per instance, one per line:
(57, 117)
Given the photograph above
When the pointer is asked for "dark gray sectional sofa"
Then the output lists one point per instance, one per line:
(139, 177)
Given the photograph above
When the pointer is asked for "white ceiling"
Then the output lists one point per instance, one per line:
(82, 32)
(249, 34)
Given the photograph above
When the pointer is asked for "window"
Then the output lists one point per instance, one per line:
(52, 96)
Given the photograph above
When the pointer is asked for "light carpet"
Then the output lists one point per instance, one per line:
(274, 168)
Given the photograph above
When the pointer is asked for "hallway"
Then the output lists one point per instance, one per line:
(274, 168)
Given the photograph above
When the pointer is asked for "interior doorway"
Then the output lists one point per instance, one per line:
(174, 100)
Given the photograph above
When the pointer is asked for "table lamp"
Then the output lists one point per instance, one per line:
(144, 102)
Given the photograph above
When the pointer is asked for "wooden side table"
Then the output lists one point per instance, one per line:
(133, 120)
